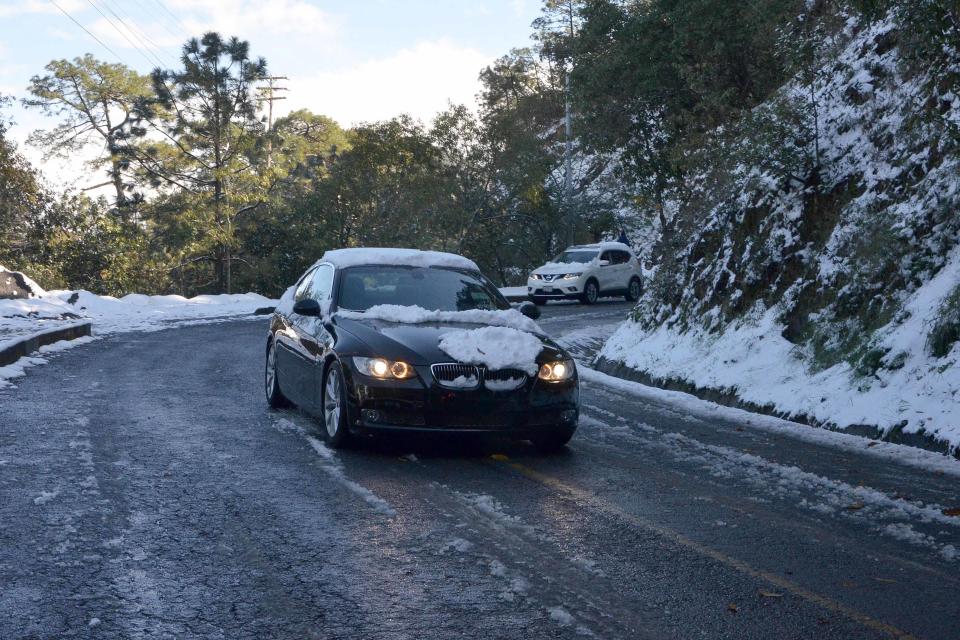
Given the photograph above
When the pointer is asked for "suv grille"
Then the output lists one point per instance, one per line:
(455, 375)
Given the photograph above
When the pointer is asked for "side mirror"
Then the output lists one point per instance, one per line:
(530, 310)
(604, 263)
(307, 307)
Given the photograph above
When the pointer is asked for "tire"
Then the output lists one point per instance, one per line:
(553, 441)
(271, 382)
(634, 289)
(591, 291)
(537, 300)
(336, 431)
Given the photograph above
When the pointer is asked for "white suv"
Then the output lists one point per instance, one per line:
(587, 272)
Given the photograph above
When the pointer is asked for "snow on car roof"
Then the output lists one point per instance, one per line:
(342, 258)
(601, 246)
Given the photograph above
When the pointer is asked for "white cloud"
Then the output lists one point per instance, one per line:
(419, 81)
(20, 7)
(248, 18)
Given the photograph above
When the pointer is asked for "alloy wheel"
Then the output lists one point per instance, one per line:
(331, 403)
(591, 292)
(270, 375)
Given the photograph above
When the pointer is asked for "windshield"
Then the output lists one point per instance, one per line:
(432, 288)
(576, 256)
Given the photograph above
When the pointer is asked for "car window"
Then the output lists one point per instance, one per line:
(620, 257)
(303, 289)
(570, 257)
(606, 256)
(434, 289)
(321, 283)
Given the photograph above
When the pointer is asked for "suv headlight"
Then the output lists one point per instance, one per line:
(571, 276)
(383, 369)
(536, 276)
(557, 371)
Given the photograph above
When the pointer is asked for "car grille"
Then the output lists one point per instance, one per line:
(455, 375)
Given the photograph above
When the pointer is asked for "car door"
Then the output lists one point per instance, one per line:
(622, 269)
(289, 359)
(606, 273)
(315, 340)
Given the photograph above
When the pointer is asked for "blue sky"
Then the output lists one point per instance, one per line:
(353, 60)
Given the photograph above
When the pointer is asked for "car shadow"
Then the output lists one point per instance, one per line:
(447, 446)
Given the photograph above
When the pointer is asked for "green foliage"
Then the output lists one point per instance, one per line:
(946, 332)
(95, 102)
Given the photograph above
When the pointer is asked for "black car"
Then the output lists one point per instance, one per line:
(357, 343)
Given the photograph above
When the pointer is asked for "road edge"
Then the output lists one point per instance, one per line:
(729, 398)
(31, 343)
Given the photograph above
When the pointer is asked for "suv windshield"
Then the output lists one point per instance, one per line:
(576, 256)
(432, 288)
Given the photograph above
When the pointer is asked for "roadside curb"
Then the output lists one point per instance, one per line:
(26, 345)
(729, 398)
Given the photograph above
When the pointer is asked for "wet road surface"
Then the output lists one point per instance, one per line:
(146, 490)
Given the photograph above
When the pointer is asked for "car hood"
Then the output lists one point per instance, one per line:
(553, 269)
(419, 344)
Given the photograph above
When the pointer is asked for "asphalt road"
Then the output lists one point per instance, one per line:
(146, 490)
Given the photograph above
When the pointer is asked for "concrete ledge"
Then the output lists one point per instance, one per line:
(15, 349)
(729, 398)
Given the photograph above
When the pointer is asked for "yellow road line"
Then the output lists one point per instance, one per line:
(787, 585)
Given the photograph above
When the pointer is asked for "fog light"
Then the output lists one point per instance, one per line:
(372, 415)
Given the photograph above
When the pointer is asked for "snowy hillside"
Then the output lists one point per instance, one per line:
(834, 294)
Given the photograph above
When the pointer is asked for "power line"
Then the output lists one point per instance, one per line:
(74, 20)
(124, 35)
(172, 15)
(159, 19)
(139, 34)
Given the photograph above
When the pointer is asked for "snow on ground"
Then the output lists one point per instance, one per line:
(108, 315)
(698, 409)
(752, 359)
(513, 292)
(330, 464)
(494, 347)
(913, 521)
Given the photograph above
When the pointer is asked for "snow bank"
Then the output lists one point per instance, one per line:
(494, 347)
(418, 315)
(108, 315)
(753, 360)
(343, 258)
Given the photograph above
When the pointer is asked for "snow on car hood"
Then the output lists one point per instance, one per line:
(418, 315)
(494, 347)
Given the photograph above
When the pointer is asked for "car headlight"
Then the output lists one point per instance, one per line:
(536, 276)
(571, 276)
(383, 369)
(557, 371)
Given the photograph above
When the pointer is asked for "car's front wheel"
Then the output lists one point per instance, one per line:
(552, 441)
(590, 292)
(335, 407)
(275, 397)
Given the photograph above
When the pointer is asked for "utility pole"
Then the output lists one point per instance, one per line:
(571, 213)
(267, 94)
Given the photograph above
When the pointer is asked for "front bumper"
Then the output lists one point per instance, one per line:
(559, 289)
(422, 405)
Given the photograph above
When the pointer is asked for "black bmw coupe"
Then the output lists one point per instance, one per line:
(398, 340)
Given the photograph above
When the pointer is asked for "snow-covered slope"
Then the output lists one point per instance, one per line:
(835, 295)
